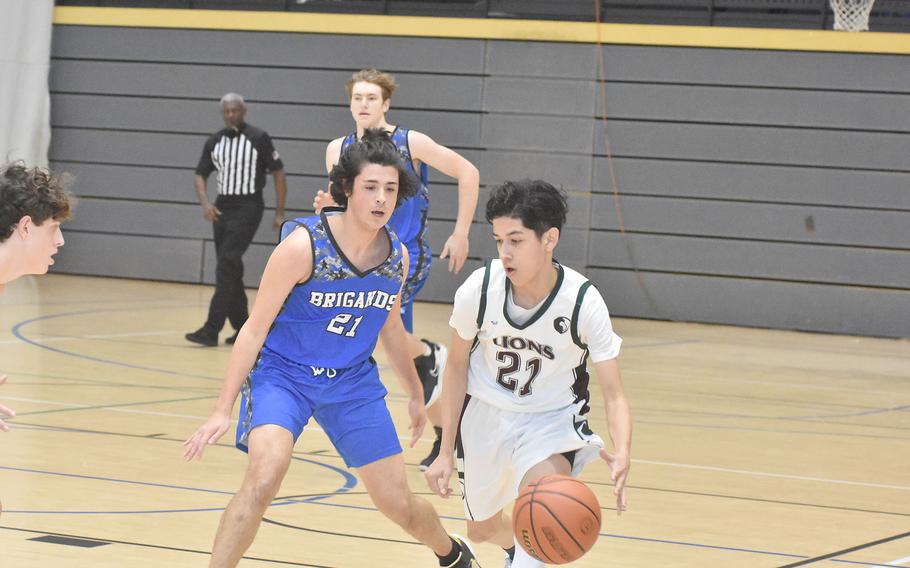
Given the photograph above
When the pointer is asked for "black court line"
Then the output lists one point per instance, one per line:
(80, 382)
(71, 429)
(756, 499)
(773, 430)
(311, 495)
(845, 551)
(332, 533)
(120, 434)
(116, 405)
(69, 541)
(756, 398)
(158, 546)
(335, 456)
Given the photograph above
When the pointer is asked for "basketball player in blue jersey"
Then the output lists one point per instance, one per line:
(370, 93)
(516, 381)
(330, 289)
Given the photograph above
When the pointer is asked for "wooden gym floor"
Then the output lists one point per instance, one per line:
(752, 448)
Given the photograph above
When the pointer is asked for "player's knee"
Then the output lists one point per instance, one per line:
(262, 486)
(399, 512)
(481, 532)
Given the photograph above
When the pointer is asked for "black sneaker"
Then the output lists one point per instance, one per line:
(202, 337)
(429, 369)
(466, 559)
(230, 340)
(434, 453)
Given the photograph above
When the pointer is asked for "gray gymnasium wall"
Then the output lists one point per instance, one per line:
(757, 188)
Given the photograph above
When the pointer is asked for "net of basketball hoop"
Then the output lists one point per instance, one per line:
(851, 15)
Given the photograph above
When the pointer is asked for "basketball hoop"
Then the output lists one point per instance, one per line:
(851, 15)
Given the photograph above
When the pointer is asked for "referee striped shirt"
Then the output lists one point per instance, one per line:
(242, 157)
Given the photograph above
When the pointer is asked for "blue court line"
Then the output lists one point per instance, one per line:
(349, 479)
(17, 333)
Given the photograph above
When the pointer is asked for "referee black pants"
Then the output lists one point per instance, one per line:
(234, 232)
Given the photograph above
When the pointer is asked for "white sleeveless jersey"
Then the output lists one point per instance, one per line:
(539, 365)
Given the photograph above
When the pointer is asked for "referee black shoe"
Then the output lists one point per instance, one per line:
(202, 337)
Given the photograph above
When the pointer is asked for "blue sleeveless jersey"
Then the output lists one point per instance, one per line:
(333, 319)
(409, 221)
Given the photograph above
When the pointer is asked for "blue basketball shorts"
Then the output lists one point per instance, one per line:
(421, 257)
(349, 405)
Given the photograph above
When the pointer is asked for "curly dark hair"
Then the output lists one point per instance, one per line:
(33, 192)
(374, 147)
(538, 204)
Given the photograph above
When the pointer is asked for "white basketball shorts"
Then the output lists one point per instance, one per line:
(496, 448)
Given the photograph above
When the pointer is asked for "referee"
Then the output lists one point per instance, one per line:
(242, 155)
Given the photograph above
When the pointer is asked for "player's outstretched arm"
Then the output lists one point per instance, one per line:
(619, 421)
(455, 387)
(395, 341)
(5, 410)
(454, 165)
(290, 263)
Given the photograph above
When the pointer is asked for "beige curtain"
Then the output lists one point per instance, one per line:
(25, 56)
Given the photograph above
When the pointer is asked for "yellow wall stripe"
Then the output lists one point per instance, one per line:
(477, 28)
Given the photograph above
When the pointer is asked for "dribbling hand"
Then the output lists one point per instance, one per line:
(619, 466)
(207, 434)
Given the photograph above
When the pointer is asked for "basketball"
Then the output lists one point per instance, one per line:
(557, 519)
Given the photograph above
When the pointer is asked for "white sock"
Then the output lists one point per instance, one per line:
(524, 560)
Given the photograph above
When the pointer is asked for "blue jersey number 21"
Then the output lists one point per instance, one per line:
(339, 325)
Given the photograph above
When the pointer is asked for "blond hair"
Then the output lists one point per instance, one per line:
(385, 81)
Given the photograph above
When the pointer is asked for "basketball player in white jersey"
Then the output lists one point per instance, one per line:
(516, 384)
(33, 203)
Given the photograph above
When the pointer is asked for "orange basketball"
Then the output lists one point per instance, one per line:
(557, 519)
